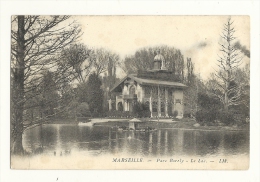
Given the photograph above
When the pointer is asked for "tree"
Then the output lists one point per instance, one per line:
(94, 94)
(49, 96)
(103, 60)
(75, 62)
(191, 92)
(229, 60)
(35, 40)
(42, 100)
(190, 74)
(143, 60)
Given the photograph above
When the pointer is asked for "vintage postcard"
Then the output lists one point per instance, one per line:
(130, 92)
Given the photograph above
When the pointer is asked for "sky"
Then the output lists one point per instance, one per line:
(196, 36)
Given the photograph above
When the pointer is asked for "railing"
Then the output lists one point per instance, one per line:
(130, 96)
(119, 97)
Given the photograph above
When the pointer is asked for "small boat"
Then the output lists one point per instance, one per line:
(88, 122)
(134, 120)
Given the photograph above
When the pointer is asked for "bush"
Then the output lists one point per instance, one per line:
(207, 102)
(226, 117)
(187, 115)
(200, 116)
(208, 117)
(121, 114)
(83, 110)
(175, 113)
(141, 110)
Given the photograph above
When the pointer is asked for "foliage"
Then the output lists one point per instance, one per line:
(226, 117)
(208, 102)
(50, 96)
(94, 94)
(175, 114)
(190, 74)
(201, 116)
(211, 111)
(35, 42)
(141, 110)
(81, 93)
(207, 116)
(121, 114)
(83, 110)
(108, 81)
(75, 63)
(187, 115)
(103, 60)
(143, 60)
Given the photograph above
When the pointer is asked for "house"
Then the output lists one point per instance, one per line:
(156, 88)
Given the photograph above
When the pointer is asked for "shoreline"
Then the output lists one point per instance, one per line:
(185, 124)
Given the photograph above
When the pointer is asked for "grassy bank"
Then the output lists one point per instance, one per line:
(62, 121)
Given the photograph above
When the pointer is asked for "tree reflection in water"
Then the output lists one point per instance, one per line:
(100, 140)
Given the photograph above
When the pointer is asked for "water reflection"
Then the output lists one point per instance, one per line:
(164, 142)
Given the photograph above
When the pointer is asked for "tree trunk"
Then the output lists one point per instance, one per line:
(18, 86)
(226, 97)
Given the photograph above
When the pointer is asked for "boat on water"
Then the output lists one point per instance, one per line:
(86, 122)
(133, 125)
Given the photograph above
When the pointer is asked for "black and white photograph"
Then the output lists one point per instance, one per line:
(130, 92)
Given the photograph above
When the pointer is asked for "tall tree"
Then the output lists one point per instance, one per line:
(49, 96)
(190, 75)
(95, 94)
(191, 92)
(229, 60)
(35, 40)
(102, 58)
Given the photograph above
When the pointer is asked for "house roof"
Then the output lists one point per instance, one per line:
(145, 81)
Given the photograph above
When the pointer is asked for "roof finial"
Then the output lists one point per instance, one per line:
(159, 61)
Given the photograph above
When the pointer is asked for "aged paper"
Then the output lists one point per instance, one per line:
(137, 92)
(63, 148)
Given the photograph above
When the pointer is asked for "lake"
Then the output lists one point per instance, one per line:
(101, 140)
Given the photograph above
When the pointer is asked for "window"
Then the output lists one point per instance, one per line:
(132, 90)
(154, 106)
(178, 101)
(162, 107)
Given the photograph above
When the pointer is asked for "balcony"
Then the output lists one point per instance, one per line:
(130, 96)
(118, 97)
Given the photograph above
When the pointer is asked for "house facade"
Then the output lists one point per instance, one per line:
(156, 88)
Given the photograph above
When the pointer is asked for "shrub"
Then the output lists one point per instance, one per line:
(201, 116)
(83, 110)
(208, 117)
(121, 114)
(207, 102)
(226, 117)
(187, 115)
(141, 110)
(175, 113)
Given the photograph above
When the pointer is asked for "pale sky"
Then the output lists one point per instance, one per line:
(196, 36)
